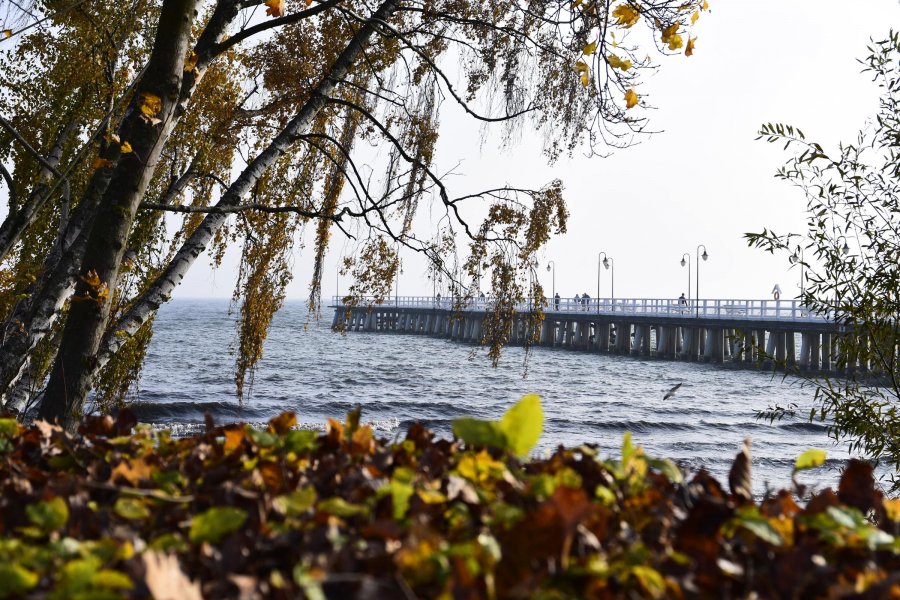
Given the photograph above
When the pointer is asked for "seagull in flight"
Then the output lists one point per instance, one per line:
(672, 391)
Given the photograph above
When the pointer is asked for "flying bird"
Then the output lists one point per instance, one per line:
(672, 391)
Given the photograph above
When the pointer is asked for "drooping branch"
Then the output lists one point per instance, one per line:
(161, 290)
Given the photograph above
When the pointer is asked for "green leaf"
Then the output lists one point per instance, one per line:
(9, 427)
(216, 523)
(523, 424)
(401, 491)
(300, 441)
(762, 529)
(15, 580)
(50, 515)
(296, 503)
(341, 508)
(667, 468)
(131, 508)
(107, 578)
(650, 579)
(475, 432)
(810, 459)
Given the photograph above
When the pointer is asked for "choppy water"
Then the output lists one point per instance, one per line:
(399, 379)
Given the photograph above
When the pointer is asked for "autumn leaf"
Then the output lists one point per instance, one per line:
(670, 36)
(166, 580)
(625, 15)
(133, 471)
(695, 16)
(91, 278)
(309, 2)
(631, 98)
(150, 104)
(101, 163)
(7, 33)
(585, 79)
(125, 148)
(689, 51)
(275, 8)
(190, 62)
(617, 63)
(589, 49)
(704, 6)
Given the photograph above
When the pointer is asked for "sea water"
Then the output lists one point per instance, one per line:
(399, 379)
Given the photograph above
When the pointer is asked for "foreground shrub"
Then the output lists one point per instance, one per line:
(119, 511)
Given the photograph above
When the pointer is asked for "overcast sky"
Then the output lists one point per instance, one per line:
(702, 180)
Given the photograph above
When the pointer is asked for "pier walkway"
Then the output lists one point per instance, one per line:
(749, 332)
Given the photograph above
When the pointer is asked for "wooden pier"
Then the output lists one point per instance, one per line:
(751, 333)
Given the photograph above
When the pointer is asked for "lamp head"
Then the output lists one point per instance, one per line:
(704, 256)
(682, 262)
(605, 263)
(548, 268)
(846, 249)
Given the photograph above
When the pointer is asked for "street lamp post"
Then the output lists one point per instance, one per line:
(797, 258)
(607, 262)
(697, 275)
(686, 261)
(551, 266)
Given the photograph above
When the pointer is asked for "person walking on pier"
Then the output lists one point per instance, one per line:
(776, 292)
(556, 301)
(682, 302)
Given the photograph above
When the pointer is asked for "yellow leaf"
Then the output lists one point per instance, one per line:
(704, 6)
(581, 67)
(892, 508)
(689, 51)
(631, 98)
(190, 62)
(125, 147)
(589, 48)
(275, 8)
(617, 63)
(585, 80)
(7, 33)
(625, 15)
(670, 36)
(150, 104)
(694, 17)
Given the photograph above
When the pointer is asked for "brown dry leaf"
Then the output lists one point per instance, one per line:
(740, 478)
(233, 439)
(46, 428)
(7, 33)
(100, 163)
(166, 580)
(283, 423)
(133, 471)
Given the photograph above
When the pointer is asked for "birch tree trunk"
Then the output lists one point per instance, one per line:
(149, 121)
(161, 291)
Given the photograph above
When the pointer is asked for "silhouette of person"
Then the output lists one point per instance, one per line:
(556, 301)
(776, 292)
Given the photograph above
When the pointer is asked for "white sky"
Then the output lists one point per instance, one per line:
(702, 180)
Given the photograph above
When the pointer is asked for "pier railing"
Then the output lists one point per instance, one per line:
(776, 310)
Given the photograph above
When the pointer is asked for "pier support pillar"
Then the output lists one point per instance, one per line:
(815, 351)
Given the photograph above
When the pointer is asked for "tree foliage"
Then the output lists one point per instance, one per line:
(137, 136)
(851, 254)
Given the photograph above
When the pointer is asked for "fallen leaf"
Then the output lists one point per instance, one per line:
(166, 580)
